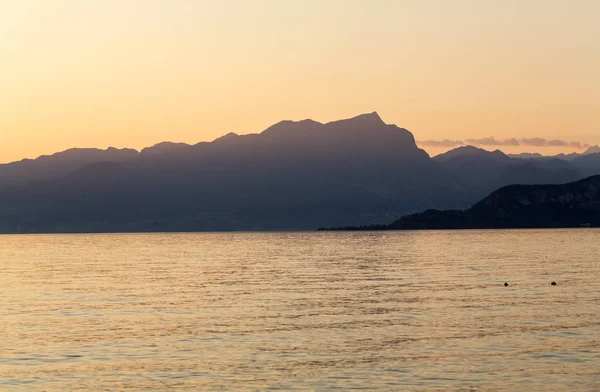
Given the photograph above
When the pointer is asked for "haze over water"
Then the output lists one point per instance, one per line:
(312, 311)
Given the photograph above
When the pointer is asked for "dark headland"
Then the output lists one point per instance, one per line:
(575, 204)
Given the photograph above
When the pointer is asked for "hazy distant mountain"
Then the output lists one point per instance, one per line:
(474, 167)
(575, 204)
(588, 164)
(562, 156)
(294, 175)
(471, 152)
(592, 150)
(59, 164)
(532, 173)
(528, 155)
(483, 171)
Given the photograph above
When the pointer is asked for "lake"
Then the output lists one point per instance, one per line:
(419, 311)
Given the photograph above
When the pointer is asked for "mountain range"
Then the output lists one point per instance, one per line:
(292, 176)
(567, 157)
(570, 205)
(485, 171)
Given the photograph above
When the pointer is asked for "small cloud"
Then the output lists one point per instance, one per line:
(541, 142)
(511, 142)
(534, 142)
(558, 143)
(441, 143)
(492, 141)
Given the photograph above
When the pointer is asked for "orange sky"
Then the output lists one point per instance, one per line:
(131, 73)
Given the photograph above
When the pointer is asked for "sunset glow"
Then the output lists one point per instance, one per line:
(132, 73)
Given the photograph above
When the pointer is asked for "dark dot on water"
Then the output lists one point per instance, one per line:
(553, 283)
(505, 284)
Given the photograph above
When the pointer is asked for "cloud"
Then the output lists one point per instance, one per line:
(558, 143)
(534, 142)
(441, 143)
(492, 141)
(541, 142)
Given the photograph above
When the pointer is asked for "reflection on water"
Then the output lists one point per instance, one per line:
(319, 311)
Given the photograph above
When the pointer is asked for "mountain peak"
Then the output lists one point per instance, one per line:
(285, 126)
(592, 150)
(373, 116)
(470, 151)
(230, 135)
(364, 120)
(164, 148)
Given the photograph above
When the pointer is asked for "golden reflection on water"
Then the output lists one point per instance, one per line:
(317, 311)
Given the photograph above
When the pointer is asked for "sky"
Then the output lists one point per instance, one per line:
(132, 73)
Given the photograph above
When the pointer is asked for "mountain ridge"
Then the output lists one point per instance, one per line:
(294, 175)
(570, 205)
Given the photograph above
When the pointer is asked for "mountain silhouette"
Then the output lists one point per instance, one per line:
(59, 164)
(294, 175)
(165, 148)
(530, 155)
(471, 152)
(566, 157)
(575, 204)
(592, 150)
(588, 164)
(532, 173)
(483, 171)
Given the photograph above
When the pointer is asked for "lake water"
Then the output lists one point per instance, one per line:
(309, 311)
